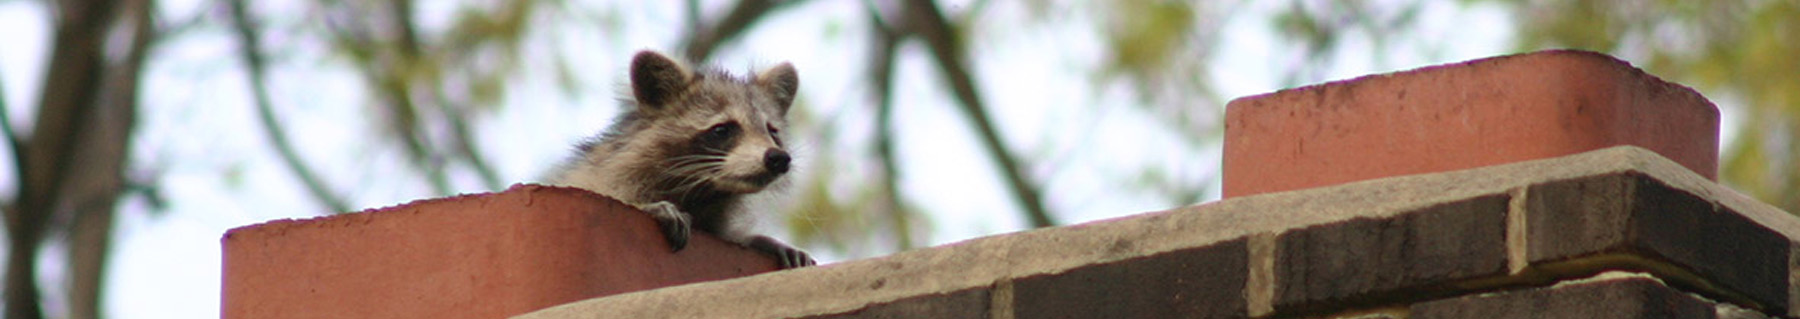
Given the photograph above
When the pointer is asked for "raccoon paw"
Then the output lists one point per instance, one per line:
(788, 256)
(675, 224)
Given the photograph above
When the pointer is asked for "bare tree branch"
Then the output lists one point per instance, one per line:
(881, 70)
(406, 73)
(398, 88)
(457, 113)
(691, 13)
(392, 89)
(412, 52)
(924, 20)
(12, 137)
(250, 50)
(70, 88)
(460, 133)
(702, 42)
(99, 180)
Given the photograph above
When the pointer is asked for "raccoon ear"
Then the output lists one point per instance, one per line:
(779, 82)
(655, 79)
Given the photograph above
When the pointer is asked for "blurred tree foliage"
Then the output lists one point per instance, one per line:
(427, 86)
(1738, 53)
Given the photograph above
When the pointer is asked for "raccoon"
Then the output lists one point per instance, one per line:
(690, 146)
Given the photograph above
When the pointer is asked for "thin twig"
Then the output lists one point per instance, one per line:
(881, 70)
(691, 13)
(422, 151)
(11, 136)
(251, 52)
(460, 133)
(705, 40)
(924, 20)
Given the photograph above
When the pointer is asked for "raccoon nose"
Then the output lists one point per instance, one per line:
(776, 161)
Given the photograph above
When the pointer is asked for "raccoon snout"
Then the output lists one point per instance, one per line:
(776, 161)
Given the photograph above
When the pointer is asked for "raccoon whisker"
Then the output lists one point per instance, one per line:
(704, 177)
(689, 159)
(692, 169)
(687, 184)
(675, 184)
(686, 188)
(714, 150)
(695, 157)
(689, 176)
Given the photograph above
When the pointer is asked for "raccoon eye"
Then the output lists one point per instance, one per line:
(721, 132)
(773, 130)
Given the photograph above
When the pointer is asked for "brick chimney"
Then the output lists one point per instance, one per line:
(472, 256)
(1459, 116)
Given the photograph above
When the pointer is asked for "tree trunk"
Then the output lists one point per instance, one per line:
(101, 160)
(64, 117)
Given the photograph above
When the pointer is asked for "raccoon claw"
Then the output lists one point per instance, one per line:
(794, 258)
(787, 256)
(675, 224)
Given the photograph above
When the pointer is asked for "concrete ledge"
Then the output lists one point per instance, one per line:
(1612, 295)
(1459, 116)
(472, 256)
(1250, 256)
(1629, 214)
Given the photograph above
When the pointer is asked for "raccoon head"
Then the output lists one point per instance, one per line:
(718, 131)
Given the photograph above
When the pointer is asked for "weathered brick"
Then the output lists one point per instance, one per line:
(1631, 297)
(1459, 116)
(1364, 258)
(1579, 217)
(473, 256)
(964, 304)
(1203, 282)
(1635, 214)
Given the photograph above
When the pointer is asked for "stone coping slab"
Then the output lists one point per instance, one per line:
(1610, 295)
(1280, 237)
